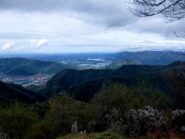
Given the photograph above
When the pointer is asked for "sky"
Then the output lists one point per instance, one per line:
(72, 26)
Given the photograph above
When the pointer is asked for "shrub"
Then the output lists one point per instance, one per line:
(17, 120)
(124, 98)
(62, 113)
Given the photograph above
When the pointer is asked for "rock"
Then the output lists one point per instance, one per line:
(142, 120)
(182, 129)
(177, 113)
(178, 117)
(116, 122)
(74, 127)
(3, 135)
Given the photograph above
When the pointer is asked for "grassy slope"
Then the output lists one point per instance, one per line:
(117, 135)
(103, 135)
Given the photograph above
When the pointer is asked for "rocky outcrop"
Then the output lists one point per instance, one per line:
(177, 113)
(74, 127)
(178, 117)
(3, 135)
(139, 122)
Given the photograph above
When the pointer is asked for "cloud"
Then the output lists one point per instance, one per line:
(7, 45)
(88, 6)
(16, 35)
(102, 23)
(110, 13)
(39, 43)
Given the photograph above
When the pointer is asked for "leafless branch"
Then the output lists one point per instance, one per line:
(171, 9)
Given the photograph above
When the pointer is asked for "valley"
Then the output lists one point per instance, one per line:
(38, 80)
(93, 97)
(35, 70)
(92, 69)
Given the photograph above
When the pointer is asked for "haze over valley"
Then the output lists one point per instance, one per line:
(44, 66)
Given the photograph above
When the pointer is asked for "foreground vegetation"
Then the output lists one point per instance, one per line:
(67, 118)
(103, 135)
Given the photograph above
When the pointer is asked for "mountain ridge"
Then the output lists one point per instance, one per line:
(13, 93)
(160, 77)
(28, 67)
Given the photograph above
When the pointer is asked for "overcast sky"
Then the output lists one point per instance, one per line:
(60, 26)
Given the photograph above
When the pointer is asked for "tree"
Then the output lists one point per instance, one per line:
(171, 9)
(17, 120)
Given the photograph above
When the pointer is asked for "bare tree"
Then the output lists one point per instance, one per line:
(171, 9)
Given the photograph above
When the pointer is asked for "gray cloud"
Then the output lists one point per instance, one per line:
(93, 6)
(16, 35)
(158, 26)
(111, 13)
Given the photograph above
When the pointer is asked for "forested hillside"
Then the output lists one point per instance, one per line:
(169, 79)
(26, 67)
(11, 93)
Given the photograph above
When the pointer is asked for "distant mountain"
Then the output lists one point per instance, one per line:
(83, 84)
(27, 67)
(146, 58)
(12, 93)
(108, 60)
